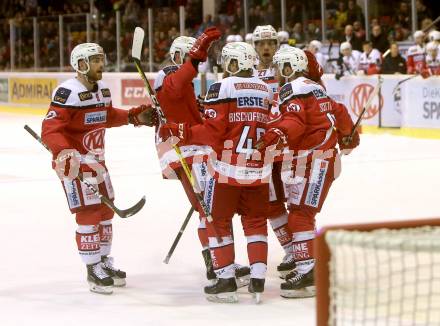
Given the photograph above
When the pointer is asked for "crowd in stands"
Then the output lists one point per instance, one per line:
(389, 22)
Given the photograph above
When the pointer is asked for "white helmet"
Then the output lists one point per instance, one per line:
(294, 56)
(230, 38)
(283, 37)
(83, 52)
(431, 46)
(248, 38)
(238, 38)
(345, 46)
(316, 44)
(434, 36)
(242, 52)
(418, 34)
(181, 44)
(264, 32)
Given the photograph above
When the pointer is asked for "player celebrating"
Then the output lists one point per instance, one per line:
(415, 62)
(240, 110)
(266, 40)
(307, 126)
(74, 129)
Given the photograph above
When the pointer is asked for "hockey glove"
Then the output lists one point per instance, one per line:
(347, 143)
(199, 51)
(144, 115)
(273, 136)
(179, 130)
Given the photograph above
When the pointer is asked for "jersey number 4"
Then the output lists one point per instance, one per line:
(245, 144)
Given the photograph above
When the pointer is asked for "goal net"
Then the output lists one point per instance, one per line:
(379, 274)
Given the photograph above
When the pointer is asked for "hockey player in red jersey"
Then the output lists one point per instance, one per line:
(240, 109)
(74, 129)
(311, 125)
(174, 86)
(265, 41)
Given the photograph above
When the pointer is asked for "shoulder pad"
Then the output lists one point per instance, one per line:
(106, 92)
(213, 92)
(285, 92)
(61, 95)
(170, 69)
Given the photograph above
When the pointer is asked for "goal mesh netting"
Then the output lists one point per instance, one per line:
(382, 277)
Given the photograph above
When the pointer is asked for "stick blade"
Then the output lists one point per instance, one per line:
(132, 210)
(138, 40)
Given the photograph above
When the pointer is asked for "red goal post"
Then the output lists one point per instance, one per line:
(325, 308)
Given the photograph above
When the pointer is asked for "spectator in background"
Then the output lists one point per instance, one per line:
(422, 12)
(207, 22)
(358, 30)
(354, 13)
(394, 63)
(297, 33)
(350, 37)
(379, 39)
(403, 16)
(313, 31)
(341, 15)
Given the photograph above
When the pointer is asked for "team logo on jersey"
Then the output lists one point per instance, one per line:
(61, 95)
(50, 115)
(319, 94)
(293, 107)
(95, 117)
(106, 92)
(359, 97)
(286, 91)
(93, 141)
(213, 92)
(251, 101)
(316, 183)
(85, 96)
(210, 113)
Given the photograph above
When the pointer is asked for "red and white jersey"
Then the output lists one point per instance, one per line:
(269, 77)
(351, 62)
(77, 119)
(433, 64)
(415, 60)
(310, 116)
(175, 93)
(239, 111)
(370, 62)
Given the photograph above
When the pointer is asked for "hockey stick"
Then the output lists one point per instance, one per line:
(138, 39)
(123, 213)
(365, 108)
(401, 82)
(179, 235)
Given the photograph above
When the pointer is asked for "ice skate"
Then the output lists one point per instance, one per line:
(99, 281)
(286, 266)
(223, 291)
(242, 275)
(256, 288)
(117, 275)
(298, 285)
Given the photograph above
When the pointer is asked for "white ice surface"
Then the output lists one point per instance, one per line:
(43, 279)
